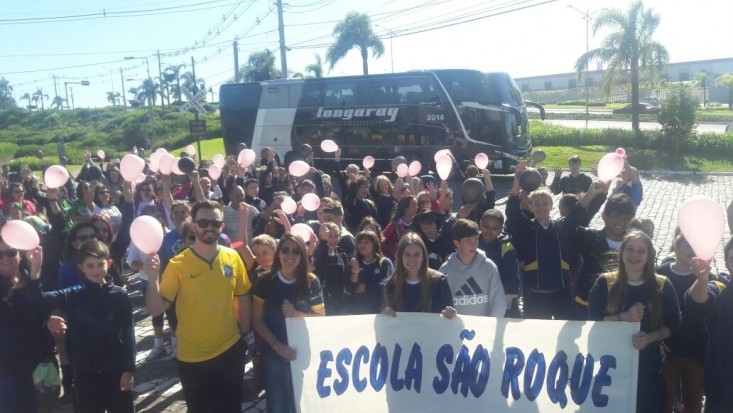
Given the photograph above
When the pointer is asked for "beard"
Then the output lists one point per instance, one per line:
(208, 237)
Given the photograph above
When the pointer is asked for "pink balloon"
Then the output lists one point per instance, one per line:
(310, 202)
(329, 146)
(610, 166)
(620, 152)
(288, 205)
(174, 166)
(444, 164)
(299, 168)
(214, 172)
(219, 160)
(164, 163)
(100, 154)
(190, 150)
(154, 162)
(131, 166)
(414, 168)
(55, 176)
(702, 222)
(402, 170)
(161, 150)
(482, 161)
(302, 230)
(246, 157)
(140, 179)
(147, 234)
(20, 235)
(440, 153)
(368, 162)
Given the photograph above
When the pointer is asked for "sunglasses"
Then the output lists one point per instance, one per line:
(290, 250)
(8, 253)
(82, 238)
(203, 223)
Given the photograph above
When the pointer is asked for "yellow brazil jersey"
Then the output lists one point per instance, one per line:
(205, 294)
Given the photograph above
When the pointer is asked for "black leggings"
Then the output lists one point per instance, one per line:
(547, 306)
(97, 391)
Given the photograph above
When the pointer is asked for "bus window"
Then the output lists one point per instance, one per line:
(339, 94)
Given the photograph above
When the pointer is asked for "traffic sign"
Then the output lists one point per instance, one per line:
(193, 101)
(197, 128)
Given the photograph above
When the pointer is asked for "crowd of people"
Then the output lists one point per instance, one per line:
(232, 267)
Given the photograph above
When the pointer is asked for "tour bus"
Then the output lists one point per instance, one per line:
(412, 114)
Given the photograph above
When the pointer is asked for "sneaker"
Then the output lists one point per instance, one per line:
(157, 353)
(174, 352)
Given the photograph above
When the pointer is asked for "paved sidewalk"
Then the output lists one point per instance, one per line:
(158, 389)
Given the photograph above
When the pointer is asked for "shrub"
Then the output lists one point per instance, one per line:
(677, 117)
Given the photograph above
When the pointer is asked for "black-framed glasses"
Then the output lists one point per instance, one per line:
(19, 191)
(8, 253)
(290, 250)
(204, 223)
(83, 238)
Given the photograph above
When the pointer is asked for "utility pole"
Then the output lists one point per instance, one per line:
(124, 99)
(236, 61)
(72, 98)
(283, 49)
(55, 88)
(160, 83)
(196, 112)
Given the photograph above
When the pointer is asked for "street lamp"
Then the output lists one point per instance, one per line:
(586, 16)
(391, 49)
(66, 89)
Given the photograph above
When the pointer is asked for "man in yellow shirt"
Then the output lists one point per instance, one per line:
(210, 287)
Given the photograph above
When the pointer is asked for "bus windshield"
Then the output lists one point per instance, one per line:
(484, 88)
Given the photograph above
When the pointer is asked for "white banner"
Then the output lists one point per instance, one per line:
(419, 362)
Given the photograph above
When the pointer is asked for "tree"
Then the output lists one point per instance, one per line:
(39, 95)
(113, 97)
(260, 66)
(726, 80)
(6, 95)
(147, 92)
(315, 69)
(27, 96)
(628, 48)
(187, 79)
(211, 90)
(701, 80)
(677, 117)
(174, 73)
(354, 31)
(58, 102)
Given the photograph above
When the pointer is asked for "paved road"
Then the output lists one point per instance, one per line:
(159, 391)
(606, 124)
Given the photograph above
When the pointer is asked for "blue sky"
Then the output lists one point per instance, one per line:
(545, 37)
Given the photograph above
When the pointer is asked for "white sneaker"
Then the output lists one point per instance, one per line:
(174, 351)
(157, 353)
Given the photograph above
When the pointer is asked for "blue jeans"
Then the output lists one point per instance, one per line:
(278, 383)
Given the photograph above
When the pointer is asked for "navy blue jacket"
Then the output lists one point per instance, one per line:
(503, 254)
(717, 311)
(100, 326)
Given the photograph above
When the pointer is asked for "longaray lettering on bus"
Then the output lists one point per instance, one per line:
(348, 114)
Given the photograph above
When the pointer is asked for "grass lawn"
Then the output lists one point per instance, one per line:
(647, 160)
(209, 148)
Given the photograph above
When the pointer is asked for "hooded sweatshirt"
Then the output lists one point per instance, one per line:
(476, 287)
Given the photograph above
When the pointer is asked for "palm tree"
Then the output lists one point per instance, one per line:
(187, 79)
(27, 96)
(260, 66)
(211, 90)
(113, 97)
(58, 102)
(726, 80)
(316, 69)
(39, 95)
(174, 73)
(628, 47)
(701, 80)
(147, 92)
(6, 94)
(354, 31)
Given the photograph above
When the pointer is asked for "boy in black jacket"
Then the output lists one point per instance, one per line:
(498, 248)
(100, 333)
